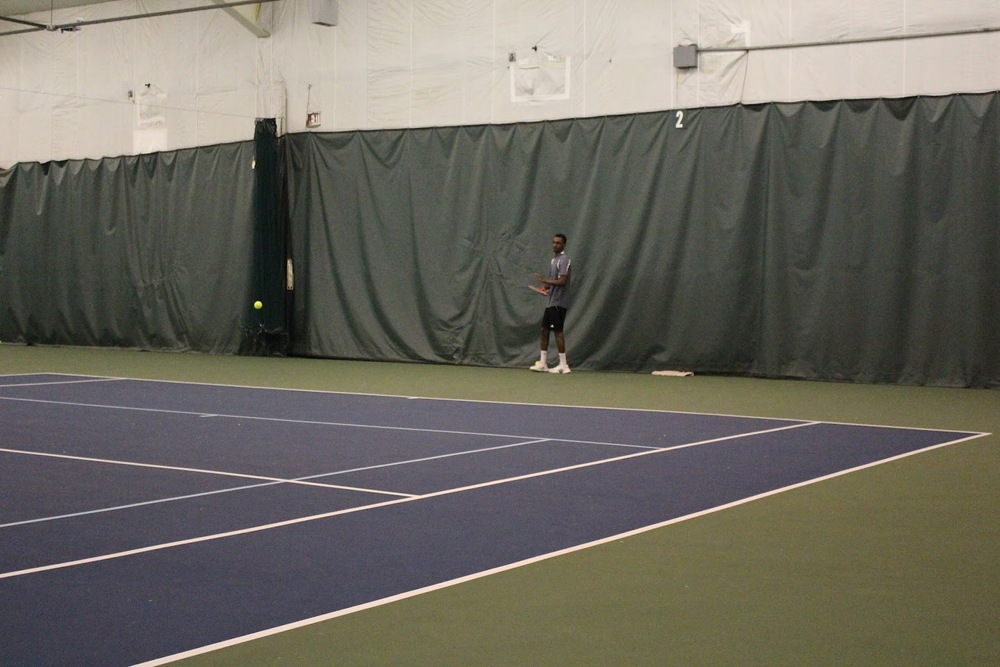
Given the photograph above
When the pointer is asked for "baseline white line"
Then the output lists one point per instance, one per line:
(319, 422)
(351, 510)
(546, 405)
(528, 561)
(520, 403)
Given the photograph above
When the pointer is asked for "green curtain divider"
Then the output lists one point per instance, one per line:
(149, 252)
(848, 240)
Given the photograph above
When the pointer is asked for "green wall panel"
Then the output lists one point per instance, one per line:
(151, 252)
(851, 240)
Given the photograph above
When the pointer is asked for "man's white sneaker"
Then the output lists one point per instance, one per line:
(540, 367)
(560, 369)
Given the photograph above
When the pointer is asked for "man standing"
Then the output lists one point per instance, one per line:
(557, 285)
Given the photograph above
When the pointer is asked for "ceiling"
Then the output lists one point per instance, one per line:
(21, 7)
(17, 10)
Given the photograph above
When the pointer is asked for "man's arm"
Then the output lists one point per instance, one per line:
(561, 280)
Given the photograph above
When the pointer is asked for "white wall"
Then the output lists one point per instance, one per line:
(416, 63)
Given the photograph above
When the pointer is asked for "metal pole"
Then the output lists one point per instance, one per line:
(38, 26)
(859, 40)
(80, 24)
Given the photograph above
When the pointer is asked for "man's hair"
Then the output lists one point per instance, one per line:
(560, 236)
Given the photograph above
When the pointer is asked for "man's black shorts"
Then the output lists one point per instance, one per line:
(554, 318)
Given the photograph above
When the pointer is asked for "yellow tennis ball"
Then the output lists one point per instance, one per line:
(257, 305)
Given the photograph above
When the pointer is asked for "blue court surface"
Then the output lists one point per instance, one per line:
(142, 520)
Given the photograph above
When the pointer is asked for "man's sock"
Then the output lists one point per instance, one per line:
(545, 358)
(562, 359)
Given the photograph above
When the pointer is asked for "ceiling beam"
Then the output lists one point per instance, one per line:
(33, 24)
(73, 26)
(248, 17)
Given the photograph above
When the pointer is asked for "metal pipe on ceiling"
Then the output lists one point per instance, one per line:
(859, 40)
(76, 25)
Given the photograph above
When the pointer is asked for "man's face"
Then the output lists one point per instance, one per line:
(558, 245)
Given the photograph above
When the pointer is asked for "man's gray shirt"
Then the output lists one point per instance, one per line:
(559, 294)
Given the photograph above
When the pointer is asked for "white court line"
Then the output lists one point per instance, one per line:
(432, 458)
(47, 373)
(326, 515)
(313, 422)
(439, 398)
(158, 501)
(220, 473)
(539, 405)
(43, 384)
(528, 561)
(272, 480)
(519, 403)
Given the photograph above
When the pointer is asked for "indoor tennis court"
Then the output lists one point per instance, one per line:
(499, 332)
(192, 516)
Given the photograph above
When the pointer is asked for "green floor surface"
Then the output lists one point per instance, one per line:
(898, 564)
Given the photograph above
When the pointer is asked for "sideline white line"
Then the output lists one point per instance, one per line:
(271, 481)
(335, 392)
(351, 510)
(45, 384)
(319, 422)
(541, 405)
(528, 561)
